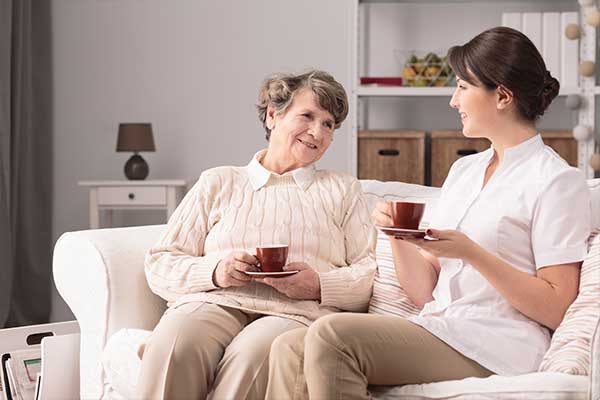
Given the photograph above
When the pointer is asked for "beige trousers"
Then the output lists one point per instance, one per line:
(340, 354)
(198, 348)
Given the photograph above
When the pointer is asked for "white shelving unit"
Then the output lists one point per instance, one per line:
(361, 66)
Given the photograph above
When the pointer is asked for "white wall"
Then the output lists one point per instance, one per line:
(190, 67)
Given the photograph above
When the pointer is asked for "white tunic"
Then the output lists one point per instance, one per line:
(534, 212)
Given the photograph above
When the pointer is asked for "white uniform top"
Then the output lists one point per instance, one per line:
(534, 212)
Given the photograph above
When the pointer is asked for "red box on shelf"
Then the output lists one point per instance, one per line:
(383, 81)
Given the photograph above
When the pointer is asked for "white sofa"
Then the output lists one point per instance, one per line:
(100, 275)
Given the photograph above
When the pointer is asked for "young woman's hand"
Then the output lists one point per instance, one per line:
(305, 285)
(382, 214)
(230, 270)
(449, 244)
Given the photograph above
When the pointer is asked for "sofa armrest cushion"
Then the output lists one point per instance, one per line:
(571, 346)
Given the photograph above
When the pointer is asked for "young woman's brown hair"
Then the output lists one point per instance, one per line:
(505, 57)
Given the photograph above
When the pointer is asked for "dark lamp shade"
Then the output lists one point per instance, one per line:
(135, 137)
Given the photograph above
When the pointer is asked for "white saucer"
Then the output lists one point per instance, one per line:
(415, 233)
(271, 274)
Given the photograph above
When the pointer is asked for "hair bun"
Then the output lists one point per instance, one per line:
(548, 93)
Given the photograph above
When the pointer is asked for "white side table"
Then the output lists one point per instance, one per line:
(133, 195)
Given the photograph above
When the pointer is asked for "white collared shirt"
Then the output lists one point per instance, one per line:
(259, 175)
(533, 212)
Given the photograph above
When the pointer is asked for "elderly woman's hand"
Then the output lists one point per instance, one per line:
(305, 285)
(229, 271)
(382, 214)
(449, 244)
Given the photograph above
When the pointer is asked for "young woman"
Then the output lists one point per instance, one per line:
(511, 229)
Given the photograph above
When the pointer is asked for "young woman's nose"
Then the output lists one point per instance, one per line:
(454, 99)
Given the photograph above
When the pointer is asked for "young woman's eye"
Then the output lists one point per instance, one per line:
(306, 115)
(329, 125)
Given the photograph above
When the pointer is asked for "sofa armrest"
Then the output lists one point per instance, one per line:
(595, 365)
(100, 275)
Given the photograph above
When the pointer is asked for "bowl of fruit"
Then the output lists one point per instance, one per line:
(425, 70)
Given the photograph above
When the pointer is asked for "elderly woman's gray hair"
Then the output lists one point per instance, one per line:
(279, 90)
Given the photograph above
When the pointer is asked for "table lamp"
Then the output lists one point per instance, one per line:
(135, 137)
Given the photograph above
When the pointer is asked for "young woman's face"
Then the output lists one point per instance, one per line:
(304, 132)
(476, 107)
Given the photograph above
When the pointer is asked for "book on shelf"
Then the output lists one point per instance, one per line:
(512, 20)
(551, 34)
(546, 31)
(569, 53)
(532, 28)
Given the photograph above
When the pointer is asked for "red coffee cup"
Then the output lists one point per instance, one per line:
(407, 215)
(272, 258)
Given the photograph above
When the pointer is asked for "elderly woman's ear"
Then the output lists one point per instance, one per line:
(270, 117)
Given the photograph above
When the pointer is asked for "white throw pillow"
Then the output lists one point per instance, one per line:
(571, 343)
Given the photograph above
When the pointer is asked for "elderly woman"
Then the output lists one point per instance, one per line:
(217, 332)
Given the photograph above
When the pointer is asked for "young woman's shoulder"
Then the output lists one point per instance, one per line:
(551, 168)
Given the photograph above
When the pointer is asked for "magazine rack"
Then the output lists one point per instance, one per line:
(59, 351)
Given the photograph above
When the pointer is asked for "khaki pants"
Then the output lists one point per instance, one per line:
(200, 347)
(340, 354)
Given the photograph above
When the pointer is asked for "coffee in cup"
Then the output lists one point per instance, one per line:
(272, 258)
(406, 215)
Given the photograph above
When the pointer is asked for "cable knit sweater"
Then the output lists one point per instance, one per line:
(322, 215)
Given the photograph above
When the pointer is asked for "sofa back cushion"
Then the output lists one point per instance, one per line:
(388, 296)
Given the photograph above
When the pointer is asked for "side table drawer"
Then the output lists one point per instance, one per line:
(122, 196)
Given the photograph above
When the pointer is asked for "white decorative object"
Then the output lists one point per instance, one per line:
(569, 54)
(573, 32)
(573, 101)
(593, 18)
(587, 68)
(138, 195)
(551, 42)
(582, 133)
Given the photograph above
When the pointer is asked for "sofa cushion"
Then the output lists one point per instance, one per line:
(571, 344)
(388, 296)
(538, 386)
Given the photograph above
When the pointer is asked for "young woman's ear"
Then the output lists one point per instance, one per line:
(504, 97)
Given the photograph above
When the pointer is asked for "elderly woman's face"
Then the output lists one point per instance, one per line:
(303, 133)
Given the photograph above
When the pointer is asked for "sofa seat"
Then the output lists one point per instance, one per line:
(122, 366)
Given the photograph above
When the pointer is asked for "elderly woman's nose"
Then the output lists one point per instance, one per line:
(317, 129)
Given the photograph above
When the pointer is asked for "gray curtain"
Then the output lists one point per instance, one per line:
(25, 162)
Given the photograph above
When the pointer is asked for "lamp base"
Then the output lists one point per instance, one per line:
(136, 168)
